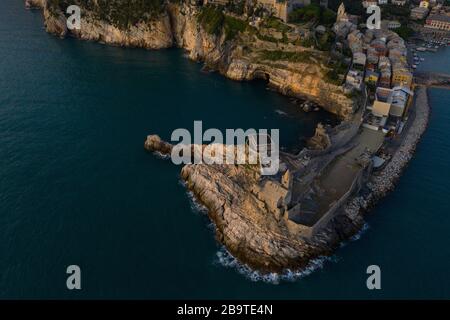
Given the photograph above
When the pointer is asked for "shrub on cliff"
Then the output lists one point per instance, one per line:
(120, 13)
(314, 13)
(214, 21)
(405, 32)
(277, 24)
(126, 13)
(233, 26)
(211, 18)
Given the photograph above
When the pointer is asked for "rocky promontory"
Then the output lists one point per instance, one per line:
(249, 213)
(269, 223)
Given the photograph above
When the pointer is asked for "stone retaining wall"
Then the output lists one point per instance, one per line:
(380, 184)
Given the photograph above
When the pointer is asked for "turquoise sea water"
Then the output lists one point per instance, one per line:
(76, 186)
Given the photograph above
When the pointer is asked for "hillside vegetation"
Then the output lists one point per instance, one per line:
(120, 13)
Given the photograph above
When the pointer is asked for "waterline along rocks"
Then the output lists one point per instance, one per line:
(251, 213)
(239, 54)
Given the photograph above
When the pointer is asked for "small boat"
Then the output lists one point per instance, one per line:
(421, 49)
(422, 59)
(414, 66)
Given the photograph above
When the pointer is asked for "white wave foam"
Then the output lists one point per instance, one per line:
(280, 112)
(161, 156)
(195, 205)
(224, 258)
(360, 232)
(357, 236)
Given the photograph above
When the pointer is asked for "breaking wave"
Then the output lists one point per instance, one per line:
(195, 205)
(280, 112)
(161, 156)
(360, 232)
(224, 258)
(357, 236)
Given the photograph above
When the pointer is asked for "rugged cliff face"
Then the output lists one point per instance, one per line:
(155, 34)
(177, 24)
(243, 224)
(55, 21)
(301, 79)
(151, 33)
(304, 80)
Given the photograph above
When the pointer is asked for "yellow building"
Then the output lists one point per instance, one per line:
(402, 77)
(381, 109)
(424, 4)
(371, 77)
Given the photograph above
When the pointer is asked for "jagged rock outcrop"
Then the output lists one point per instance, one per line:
(321, 139)
(248, 213)
(189, 35)
(305, 82)
(55, 21)
(35, 4)
(178, 25)
(154, 143)
(155, 34)
(243, 223)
